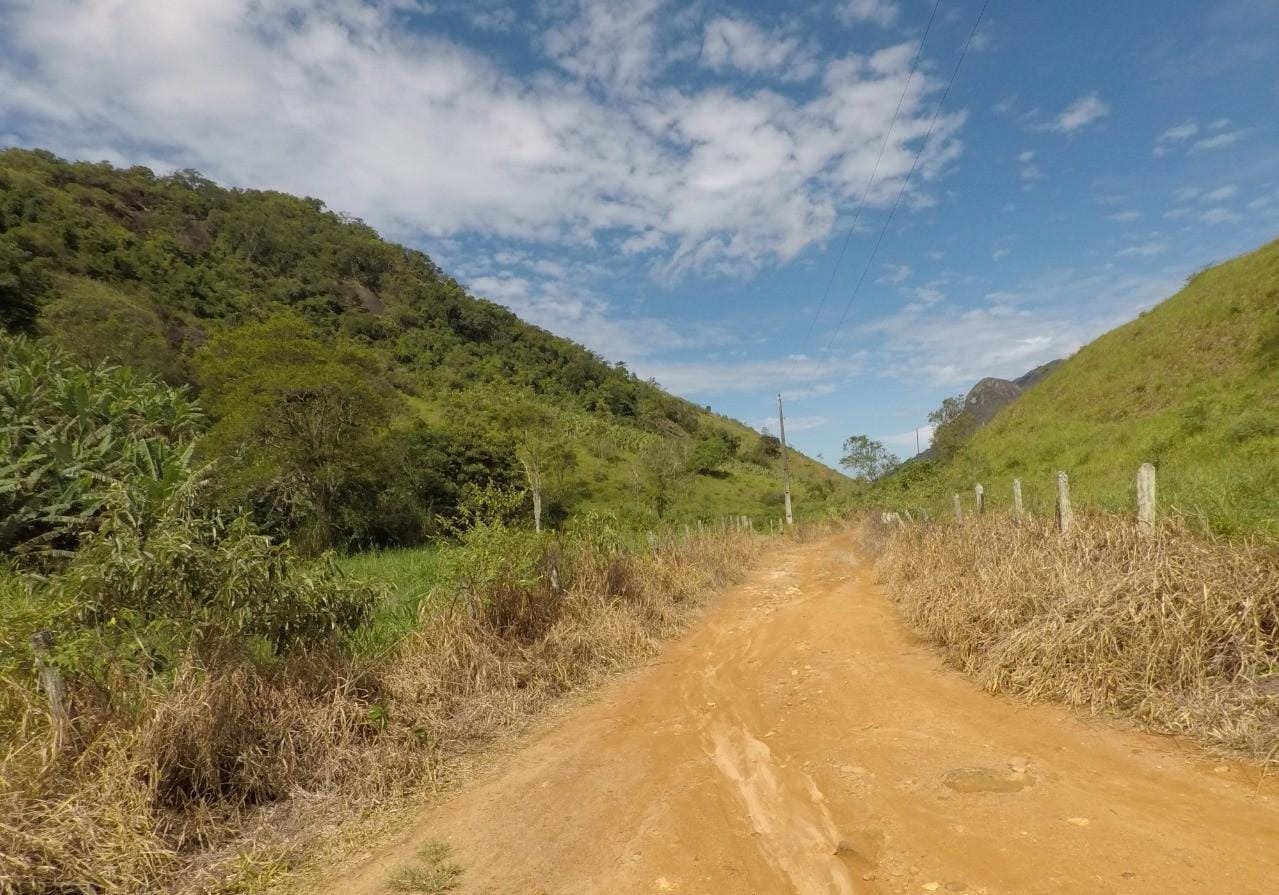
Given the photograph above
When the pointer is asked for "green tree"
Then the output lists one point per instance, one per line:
(713, 452)
(22, 284)
(535, 436)
(866, 458)
(660, 474)
(949, 410)
(298, 418)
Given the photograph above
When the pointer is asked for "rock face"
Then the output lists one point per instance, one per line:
(1029, 379)
(988, 397)
(991, 395)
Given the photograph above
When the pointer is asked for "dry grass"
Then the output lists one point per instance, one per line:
(221, 776)
(1180, 633)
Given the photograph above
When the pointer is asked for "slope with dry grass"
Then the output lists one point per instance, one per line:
(1177, 632)
(222, 773)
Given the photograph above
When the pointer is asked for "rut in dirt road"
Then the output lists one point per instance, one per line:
(798, 739)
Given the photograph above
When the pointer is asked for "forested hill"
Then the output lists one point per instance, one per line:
(354, 393)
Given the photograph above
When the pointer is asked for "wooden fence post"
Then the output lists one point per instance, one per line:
(1065, 516)
(979, 494)
(1146, 499)
(959, 510)
(54, 687)
(1016, 498)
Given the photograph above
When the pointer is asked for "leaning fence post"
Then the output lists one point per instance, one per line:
(1065, 516)
(1146, 499)
(54, 687)
(979, 494)
(959, 510)
(1016, 498)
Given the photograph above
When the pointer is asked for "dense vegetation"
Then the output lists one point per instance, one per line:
(213, 403)
(353, 391)
(1191, 386)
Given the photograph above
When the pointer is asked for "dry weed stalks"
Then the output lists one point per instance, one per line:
(228, 767)
(1179, 633)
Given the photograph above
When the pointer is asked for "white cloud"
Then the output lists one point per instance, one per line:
(895, 274)
(1177, 134)
(1080, 113)
(1027, 169)
(793, 423)
(1001, 252)
(878, 12)
(736, 43)
(906, 442)
(1220, 193)
(1214, 216)
(1047, 317)
(424, 137)
(926, 296)
(611, 42)
(1144, 250)
(784, 373)
(1220, 141)
(1125, 217)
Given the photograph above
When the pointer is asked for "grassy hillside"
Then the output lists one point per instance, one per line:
(261, 302)
(1191, 386)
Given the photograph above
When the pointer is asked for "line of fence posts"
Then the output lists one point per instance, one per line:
(1146, 502)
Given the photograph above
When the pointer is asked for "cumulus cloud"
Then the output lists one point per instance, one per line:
(424, 136)
(1079, 114)
(883, 13)
(739, 44)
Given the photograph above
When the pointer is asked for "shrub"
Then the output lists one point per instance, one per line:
(68, 433)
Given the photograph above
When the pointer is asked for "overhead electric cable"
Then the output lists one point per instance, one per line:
(905, 185)
(848, 238)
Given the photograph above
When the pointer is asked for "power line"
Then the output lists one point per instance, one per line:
(905, 184)
(874, 172)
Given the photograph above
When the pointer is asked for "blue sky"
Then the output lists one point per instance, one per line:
(672, 184)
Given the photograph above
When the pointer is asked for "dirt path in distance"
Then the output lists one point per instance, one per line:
(799, 739)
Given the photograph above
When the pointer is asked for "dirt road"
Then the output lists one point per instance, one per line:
(798, 739)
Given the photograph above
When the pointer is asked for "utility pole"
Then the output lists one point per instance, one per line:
(917, 441)
(781, 424)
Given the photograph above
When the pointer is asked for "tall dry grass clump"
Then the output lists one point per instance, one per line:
(221, 771)
(1179, 633)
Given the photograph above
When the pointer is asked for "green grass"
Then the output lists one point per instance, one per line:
(408, 577)
(1191, 386)
(435, 874)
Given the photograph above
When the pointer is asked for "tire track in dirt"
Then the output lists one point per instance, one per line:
(799, 739)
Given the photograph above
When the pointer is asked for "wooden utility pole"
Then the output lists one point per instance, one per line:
(781, 425)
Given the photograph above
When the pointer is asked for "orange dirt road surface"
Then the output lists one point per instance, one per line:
(799, 739)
